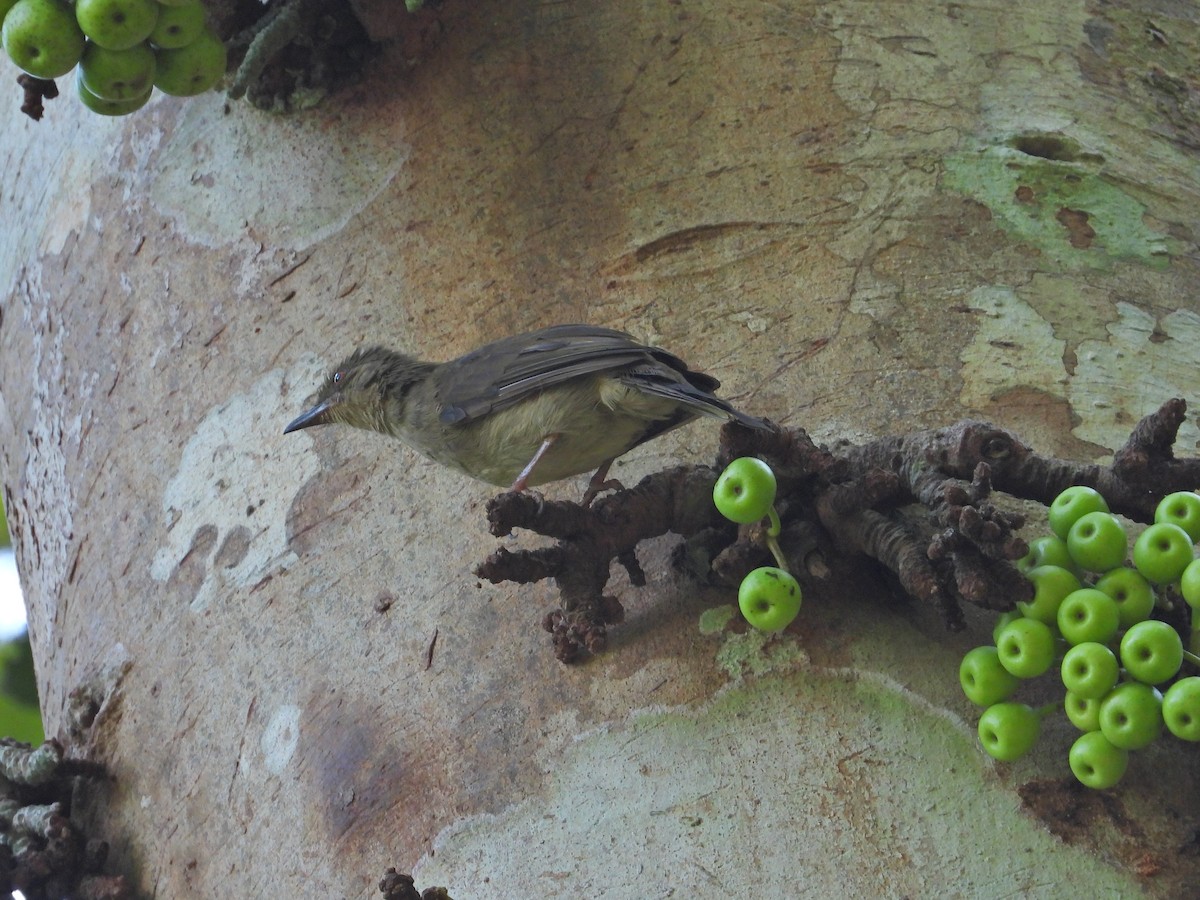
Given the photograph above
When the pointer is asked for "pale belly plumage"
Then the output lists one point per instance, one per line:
(620, 417)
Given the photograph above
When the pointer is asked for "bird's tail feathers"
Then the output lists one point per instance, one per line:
(702, 402)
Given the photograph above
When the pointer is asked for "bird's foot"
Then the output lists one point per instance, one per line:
(599, 483)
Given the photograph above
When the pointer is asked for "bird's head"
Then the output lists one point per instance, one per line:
(369, 389)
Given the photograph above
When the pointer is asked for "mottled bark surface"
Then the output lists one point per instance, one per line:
(865, 219)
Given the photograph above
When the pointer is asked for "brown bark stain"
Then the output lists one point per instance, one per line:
(191, 571)
(1077, 814)
(1079, 232)
(234, 548)
(1070, 810)
(362, 774)
(322, 505)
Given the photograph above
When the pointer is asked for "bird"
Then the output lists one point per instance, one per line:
(524, 410)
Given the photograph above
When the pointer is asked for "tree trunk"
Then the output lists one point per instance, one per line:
(863, 218)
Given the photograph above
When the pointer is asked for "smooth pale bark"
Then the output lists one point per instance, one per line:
(864, 218)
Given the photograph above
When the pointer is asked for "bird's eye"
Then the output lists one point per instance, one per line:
(337, 377)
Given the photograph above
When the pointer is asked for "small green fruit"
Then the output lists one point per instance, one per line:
(1162, 552)
(1072, 504)
(1183, 509)
(178, 26)
(191, 70)
(1026, 648)
(1189, 585)
(1008, 730)
(1151, 651)
(769, 598)
(1083, 713)
(1096, 762)
(105, 107)
(1133, 594)
(1097, 542)
(1088, 615)
(1181, 708)
(1131, 715)
(983, 678)
(1047, 550)
(117, 74)
(1090, 670)
(1051, 585)
(117, 24)
(745, 491)
(42, 38)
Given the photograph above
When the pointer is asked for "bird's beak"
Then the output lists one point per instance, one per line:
(318, 415)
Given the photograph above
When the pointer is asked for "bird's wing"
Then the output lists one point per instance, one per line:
(692, 390)
(499, 374)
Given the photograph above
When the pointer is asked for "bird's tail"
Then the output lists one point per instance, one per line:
(696, 398)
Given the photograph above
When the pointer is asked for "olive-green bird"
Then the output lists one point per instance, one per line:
(526, 409)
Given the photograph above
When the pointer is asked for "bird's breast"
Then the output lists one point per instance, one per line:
(593, 419)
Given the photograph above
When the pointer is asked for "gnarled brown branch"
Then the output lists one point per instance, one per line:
(919, 506)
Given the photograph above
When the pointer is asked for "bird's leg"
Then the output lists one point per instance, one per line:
(599, 483)
(522, 479)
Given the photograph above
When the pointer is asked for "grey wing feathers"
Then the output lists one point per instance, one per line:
(497, 375)
(694, 393)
